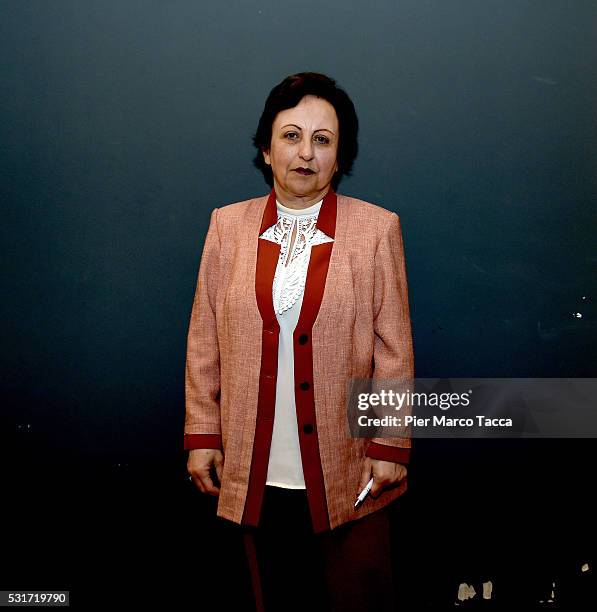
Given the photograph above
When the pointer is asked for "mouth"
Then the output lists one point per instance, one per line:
(304, 171)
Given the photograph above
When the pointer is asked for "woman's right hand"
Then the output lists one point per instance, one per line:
(199, 466)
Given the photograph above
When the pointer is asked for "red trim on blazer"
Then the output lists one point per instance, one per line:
(267, 260)
(192, 441)
(396, 454)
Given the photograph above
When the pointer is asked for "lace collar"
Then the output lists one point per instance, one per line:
(289, 280)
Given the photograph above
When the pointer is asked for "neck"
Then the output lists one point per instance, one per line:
(298, 202)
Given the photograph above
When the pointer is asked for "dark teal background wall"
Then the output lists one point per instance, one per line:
(124, 123)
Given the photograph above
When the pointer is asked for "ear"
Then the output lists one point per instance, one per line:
(266, 157)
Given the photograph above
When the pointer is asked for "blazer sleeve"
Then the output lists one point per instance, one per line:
(202, 368)
(393, 347)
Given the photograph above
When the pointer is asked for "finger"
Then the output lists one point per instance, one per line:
(381, 480)
(377, 488)
(209, 485)
(197, 482)
(219, 465)
(365, 475)
(399, 474)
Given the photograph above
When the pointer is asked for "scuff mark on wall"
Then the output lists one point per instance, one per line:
(487, 589)
(545, 80)
(466, 591)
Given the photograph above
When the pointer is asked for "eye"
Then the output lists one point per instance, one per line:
(290, 135)
(321, 139)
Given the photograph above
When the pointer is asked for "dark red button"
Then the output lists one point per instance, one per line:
(303, 339)
(308, 428)
(304, 385)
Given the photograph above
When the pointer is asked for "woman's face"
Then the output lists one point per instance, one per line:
(304, 138)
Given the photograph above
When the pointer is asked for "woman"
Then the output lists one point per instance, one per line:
(298, 291)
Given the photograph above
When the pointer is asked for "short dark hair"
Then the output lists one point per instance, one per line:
(287, 94)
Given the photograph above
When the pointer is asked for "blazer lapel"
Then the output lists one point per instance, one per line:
(319, 263)
(268, 253)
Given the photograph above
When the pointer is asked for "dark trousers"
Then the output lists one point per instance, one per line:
(292, 568)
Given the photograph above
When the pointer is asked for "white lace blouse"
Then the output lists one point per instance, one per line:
(296, 233)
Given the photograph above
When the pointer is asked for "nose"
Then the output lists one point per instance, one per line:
(306, 149)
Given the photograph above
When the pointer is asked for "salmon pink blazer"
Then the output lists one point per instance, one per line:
(354, 323)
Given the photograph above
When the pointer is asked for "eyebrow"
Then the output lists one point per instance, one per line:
(301, 129)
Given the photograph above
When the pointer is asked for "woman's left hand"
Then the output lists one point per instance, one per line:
(385, 474)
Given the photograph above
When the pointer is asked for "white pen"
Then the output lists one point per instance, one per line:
(364, 493)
